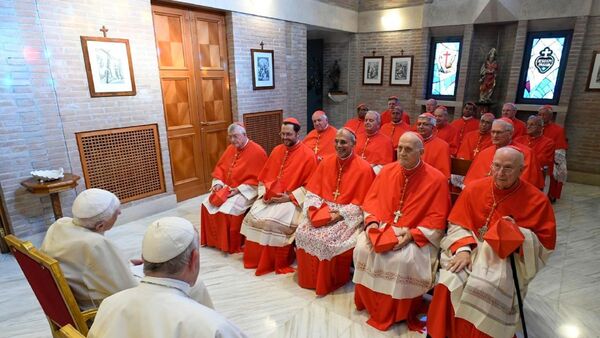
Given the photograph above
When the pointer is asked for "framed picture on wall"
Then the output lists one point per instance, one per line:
(401, 70)
(108, 66)
(594, 77)
(263, 71)
(372, 70)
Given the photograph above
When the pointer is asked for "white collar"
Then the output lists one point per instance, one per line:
(168, 283)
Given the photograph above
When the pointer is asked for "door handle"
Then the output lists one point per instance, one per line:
(211, 123)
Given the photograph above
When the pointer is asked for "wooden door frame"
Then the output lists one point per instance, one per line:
(5, 225)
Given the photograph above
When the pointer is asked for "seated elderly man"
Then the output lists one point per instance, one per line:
(161, 305)
(334, 219)
(444, 130)
(396, 257)
(373, 146)
(386, 115)
(320, 139)
(396, 127)
(502, 132)
(477, 140)
(437, 151)
(236, 172)
(271, 223)
(91, 263)
(357, 124)
(475, 296)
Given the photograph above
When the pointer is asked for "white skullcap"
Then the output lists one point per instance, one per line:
(166, 238)
(94, 205)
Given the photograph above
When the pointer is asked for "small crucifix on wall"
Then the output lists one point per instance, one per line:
(104, 30)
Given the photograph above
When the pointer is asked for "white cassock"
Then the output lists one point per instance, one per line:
(159, 308)
(93, 264)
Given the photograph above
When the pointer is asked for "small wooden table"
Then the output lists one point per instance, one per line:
(52, 188)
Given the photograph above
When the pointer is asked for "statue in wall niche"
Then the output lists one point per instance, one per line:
(333, 75)
(487, 77)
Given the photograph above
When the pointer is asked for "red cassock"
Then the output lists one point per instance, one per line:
(321, 143)
(482, 163)
(557, 133)
(357, 125)
(543, 148)
(463, 127)
(377, 149)
(386, 117)
(394, 131)
(470, 211)
(300, 162)
(327, 275)
(449, 134)
(234, 168)
(437, 154)
(473, 144)
(426, 204)
(520, 128)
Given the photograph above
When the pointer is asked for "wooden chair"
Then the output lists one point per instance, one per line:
(68, 331)
(50, 287)
(458, 166)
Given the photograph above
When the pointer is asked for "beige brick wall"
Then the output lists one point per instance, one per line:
(582, 124)
(288, 41)
(46, 97)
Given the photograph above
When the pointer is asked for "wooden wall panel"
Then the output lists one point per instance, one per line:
(176, 102)
(264, 127)
(182, 153)
(169, 39)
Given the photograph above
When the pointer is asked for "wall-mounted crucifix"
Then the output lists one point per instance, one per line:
(104, 30)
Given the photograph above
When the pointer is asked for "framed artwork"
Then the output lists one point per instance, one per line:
(372, 70)
(594, 77)
(263, 71)
(108, 66)
(444, 62)
(543, 68)
(401, 70)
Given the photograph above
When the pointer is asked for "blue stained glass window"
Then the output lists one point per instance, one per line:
(445, 64)
(543, 67)
(542, 71)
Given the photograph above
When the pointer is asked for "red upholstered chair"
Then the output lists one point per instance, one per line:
(50, 287)
(69, 331)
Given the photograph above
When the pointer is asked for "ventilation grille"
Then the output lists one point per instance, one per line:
(124, 161)
(263, 128)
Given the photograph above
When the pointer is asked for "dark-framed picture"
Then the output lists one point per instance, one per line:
(263, 70)
(372, 70)
(594, 77)
(401, 70)
(108, 66)
(543, 69)
(444, 64)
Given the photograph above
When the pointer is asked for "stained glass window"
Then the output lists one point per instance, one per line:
(544, 64)
(443, 67)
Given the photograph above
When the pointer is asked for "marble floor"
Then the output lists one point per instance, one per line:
(563, 300)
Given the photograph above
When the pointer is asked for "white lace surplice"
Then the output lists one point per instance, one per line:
(330, 240)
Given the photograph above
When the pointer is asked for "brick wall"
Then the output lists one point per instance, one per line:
(46, 97)
(485, 37)
(387, 44)
(332, 51)
(582, 126)
(288, 41)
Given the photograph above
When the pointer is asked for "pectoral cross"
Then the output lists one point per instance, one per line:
(482, 231)
(316, 148)
(397, 215)
(336, 193)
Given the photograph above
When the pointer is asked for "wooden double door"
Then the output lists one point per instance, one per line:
(192, 59)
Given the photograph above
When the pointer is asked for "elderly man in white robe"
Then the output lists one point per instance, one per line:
(161, 305)
(92, 264)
